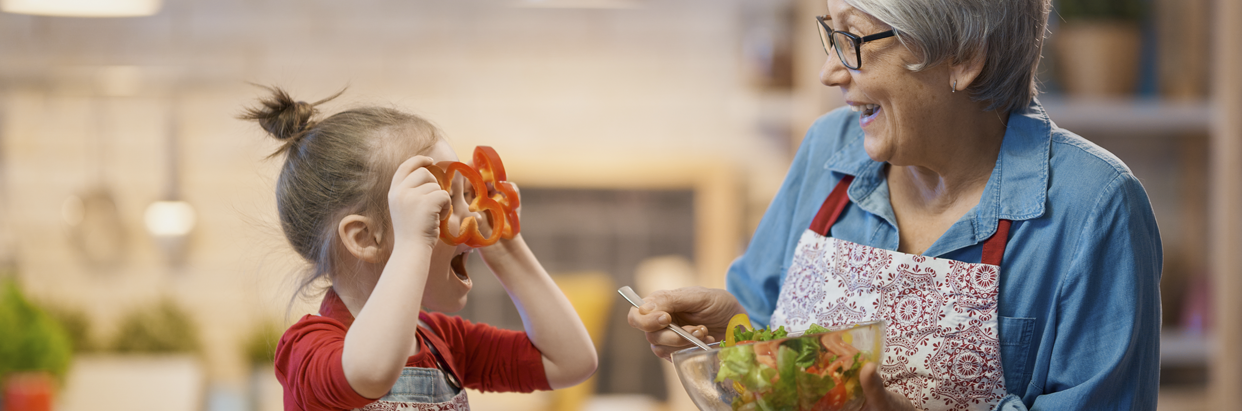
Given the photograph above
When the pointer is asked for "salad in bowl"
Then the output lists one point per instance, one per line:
(762, 369)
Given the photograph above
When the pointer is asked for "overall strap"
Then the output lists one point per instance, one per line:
(441, 363)
(994, 246)
(830, 211)
(833, 206)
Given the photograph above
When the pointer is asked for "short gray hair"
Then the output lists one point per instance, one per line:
(1010, 33)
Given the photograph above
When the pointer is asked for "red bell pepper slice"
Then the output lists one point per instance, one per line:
(487, 177)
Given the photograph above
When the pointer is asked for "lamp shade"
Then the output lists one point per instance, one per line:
(170, 218)
(82, 8)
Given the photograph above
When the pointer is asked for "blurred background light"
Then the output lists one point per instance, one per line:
(82, 8)
(169, 218)
(580, 4)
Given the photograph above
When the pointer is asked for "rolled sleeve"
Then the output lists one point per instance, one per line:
(308, 365)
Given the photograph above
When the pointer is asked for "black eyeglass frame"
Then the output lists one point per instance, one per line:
(826, 34)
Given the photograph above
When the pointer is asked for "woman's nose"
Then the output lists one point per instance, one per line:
(833, 73)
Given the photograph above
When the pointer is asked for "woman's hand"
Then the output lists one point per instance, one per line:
(416, 203)
(704, 312)
(877, 397)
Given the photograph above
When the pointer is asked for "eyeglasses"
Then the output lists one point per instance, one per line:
(848, 45)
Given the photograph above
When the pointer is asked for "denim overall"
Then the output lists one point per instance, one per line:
(424, 389)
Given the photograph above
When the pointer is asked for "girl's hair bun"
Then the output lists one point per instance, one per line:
(283, 117)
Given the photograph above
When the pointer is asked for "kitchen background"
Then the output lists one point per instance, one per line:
(137, 213)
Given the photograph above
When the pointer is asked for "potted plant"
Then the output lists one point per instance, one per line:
(35, 352)
(151, 362)
(1097, 46)
(161, 328)
(260, 350)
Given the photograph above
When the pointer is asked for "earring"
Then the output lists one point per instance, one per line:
(954, 86)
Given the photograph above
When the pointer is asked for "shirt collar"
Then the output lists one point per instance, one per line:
(332, 307)
(1017, 189)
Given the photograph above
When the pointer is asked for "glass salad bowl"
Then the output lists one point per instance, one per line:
(817, 370)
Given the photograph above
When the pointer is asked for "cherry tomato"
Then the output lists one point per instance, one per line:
(834, 399)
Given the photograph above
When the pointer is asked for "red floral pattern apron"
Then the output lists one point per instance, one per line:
(458, 402)
(941, 338)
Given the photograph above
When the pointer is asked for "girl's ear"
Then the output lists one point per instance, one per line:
(362, 237)
(964, 73)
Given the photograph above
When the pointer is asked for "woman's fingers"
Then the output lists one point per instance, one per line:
(873, 387)
(653, 320)
(877, 397)
(664, 352)
(645, 318)
(665, 343)
(667, 337)
(711, 308)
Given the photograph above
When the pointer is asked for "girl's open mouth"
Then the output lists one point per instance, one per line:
(458, 265)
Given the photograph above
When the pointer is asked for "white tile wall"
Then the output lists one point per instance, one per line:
(660, 83)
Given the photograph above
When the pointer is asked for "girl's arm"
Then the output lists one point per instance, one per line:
(380, 339)
(550, 321)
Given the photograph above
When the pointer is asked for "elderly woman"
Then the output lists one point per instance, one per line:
(1017, 264)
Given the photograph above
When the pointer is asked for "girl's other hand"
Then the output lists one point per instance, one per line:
(704, 312)
(416, 203)
(501, 248)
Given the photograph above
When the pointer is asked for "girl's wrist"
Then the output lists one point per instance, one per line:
(413, 245)
(505, 248)
(509, 256)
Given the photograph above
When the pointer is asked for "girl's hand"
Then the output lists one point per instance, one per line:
(416, 203)
(704, 312)
(877, 397)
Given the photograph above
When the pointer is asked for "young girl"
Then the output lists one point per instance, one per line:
(356, 201)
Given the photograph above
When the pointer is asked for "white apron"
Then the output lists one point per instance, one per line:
(941, 346)
(424, 389)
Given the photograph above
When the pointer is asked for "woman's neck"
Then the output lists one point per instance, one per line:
(959, 167)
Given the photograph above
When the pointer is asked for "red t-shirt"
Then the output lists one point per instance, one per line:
(486, 358)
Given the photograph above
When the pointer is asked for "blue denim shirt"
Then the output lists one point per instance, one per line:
(1079, 283)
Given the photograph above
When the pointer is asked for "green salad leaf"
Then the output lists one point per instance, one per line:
(761, 334)
(784, 395)
(735, 363)
(854, 369)
(816, 329)
(812, 387)
(799, 380)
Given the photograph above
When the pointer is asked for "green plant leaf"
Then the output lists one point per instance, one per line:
(32, 340)
(159, 328)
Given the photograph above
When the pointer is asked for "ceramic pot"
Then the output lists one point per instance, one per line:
(1098, 58)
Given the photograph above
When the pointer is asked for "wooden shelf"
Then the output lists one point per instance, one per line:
(1129, 116)
(1183, 348)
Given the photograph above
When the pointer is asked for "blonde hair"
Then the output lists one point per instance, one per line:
(333, 167)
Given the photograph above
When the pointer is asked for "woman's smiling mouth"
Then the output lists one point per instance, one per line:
(867, 112)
